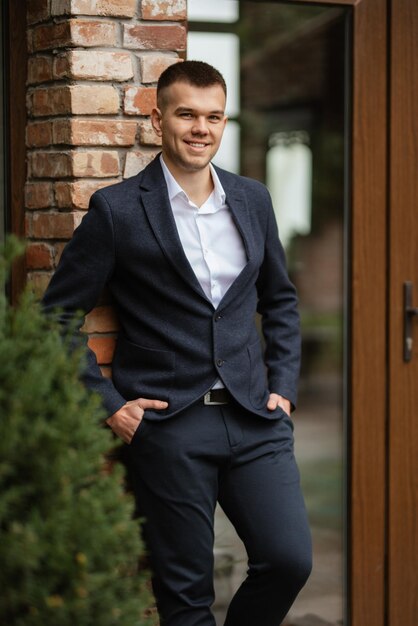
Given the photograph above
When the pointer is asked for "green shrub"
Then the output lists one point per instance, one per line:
(69, 546)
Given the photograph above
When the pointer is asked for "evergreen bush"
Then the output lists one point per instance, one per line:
(69, 546)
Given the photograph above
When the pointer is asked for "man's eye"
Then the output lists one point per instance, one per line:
(214, 118)
(186, 115)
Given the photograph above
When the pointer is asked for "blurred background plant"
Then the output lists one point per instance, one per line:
(69, 546)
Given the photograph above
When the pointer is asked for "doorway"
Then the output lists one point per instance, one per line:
(287, 70)
(380, 255)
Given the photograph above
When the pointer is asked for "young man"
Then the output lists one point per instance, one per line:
(189, 253)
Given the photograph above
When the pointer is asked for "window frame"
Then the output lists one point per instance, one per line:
(14, 60)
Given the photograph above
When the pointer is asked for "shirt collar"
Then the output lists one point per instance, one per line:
(174, 188)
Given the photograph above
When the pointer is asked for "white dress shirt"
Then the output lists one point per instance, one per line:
(210, 238)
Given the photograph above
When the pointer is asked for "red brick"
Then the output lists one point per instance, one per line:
(74, 33)
(86, 132)
(38, 195)
(50, 164)
(147, 135)
(163, 9)
(95, 163)
(139, 100)
(94, 65)
(76, 195)
(39, 134)
(77, 99)
(94, 99)
(59, 249)
(61, 131)
(50, 101)
(104, 132)
(40, 69)
(60, 65)
(152, 65)
(63, 194)
(52, 35)
(103, 347)
(93, 33)
(106, 371)
(102, 319)
(60, 7)
(154, 37)
(39, 256)
(28, 224)
(55, 225)
(136, 161)
(38, 282)
(37, 11)
(106, 8)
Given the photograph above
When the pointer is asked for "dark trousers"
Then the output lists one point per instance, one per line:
(180, 468)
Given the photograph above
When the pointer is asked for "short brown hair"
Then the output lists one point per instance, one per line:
(196, 73)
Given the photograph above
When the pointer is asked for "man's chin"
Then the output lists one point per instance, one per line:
(195, 165)
(189, 163)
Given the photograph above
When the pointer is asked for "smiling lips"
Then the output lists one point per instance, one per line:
(197, 144)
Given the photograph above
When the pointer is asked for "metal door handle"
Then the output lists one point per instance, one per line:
(409, 312)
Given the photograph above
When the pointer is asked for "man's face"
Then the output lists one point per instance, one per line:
(190, 122)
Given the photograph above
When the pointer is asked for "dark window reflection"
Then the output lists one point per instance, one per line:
(2, 194)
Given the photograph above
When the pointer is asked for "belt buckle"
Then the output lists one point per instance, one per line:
(208, 402)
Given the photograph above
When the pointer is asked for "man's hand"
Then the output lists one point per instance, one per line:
(125, 421)
(276, 400)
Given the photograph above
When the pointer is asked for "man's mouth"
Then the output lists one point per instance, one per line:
(196, 144)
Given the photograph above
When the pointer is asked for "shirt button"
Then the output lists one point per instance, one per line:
(219, 362)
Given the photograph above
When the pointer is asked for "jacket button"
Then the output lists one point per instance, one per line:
(218, 317)
(219, 362)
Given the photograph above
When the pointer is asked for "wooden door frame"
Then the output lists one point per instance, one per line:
(367, 289)
(15, 64)
(403, 399)
(367, 294)
(369, 348)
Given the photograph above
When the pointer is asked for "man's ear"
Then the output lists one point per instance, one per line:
(156, 118)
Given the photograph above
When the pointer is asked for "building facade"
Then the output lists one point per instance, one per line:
(323, 109)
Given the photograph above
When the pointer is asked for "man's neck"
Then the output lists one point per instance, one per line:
(198, 185)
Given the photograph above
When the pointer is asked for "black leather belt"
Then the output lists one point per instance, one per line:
(216, 397)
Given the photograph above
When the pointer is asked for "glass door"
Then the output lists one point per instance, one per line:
(289, 70)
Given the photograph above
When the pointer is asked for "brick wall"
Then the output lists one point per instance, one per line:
(92, 72)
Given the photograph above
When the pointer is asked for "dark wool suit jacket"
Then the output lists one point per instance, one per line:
(172, 343)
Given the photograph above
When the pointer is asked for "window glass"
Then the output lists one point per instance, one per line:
(228, 153)
(213, 11)
(219, 49)
(289, 106)
(289, 179)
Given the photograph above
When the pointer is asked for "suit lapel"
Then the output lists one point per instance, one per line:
(156, 203)
(237, 203)
(160, 216)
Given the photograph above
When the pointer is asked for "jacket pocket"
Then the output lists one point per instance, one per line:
(258, 390)
(140, 371)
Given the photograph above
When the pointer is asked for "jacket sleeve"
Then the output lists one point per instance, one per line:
(278, 306)
(84, 269)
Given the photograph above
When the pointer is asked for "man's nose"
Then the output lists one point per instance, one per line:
(200, 126)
